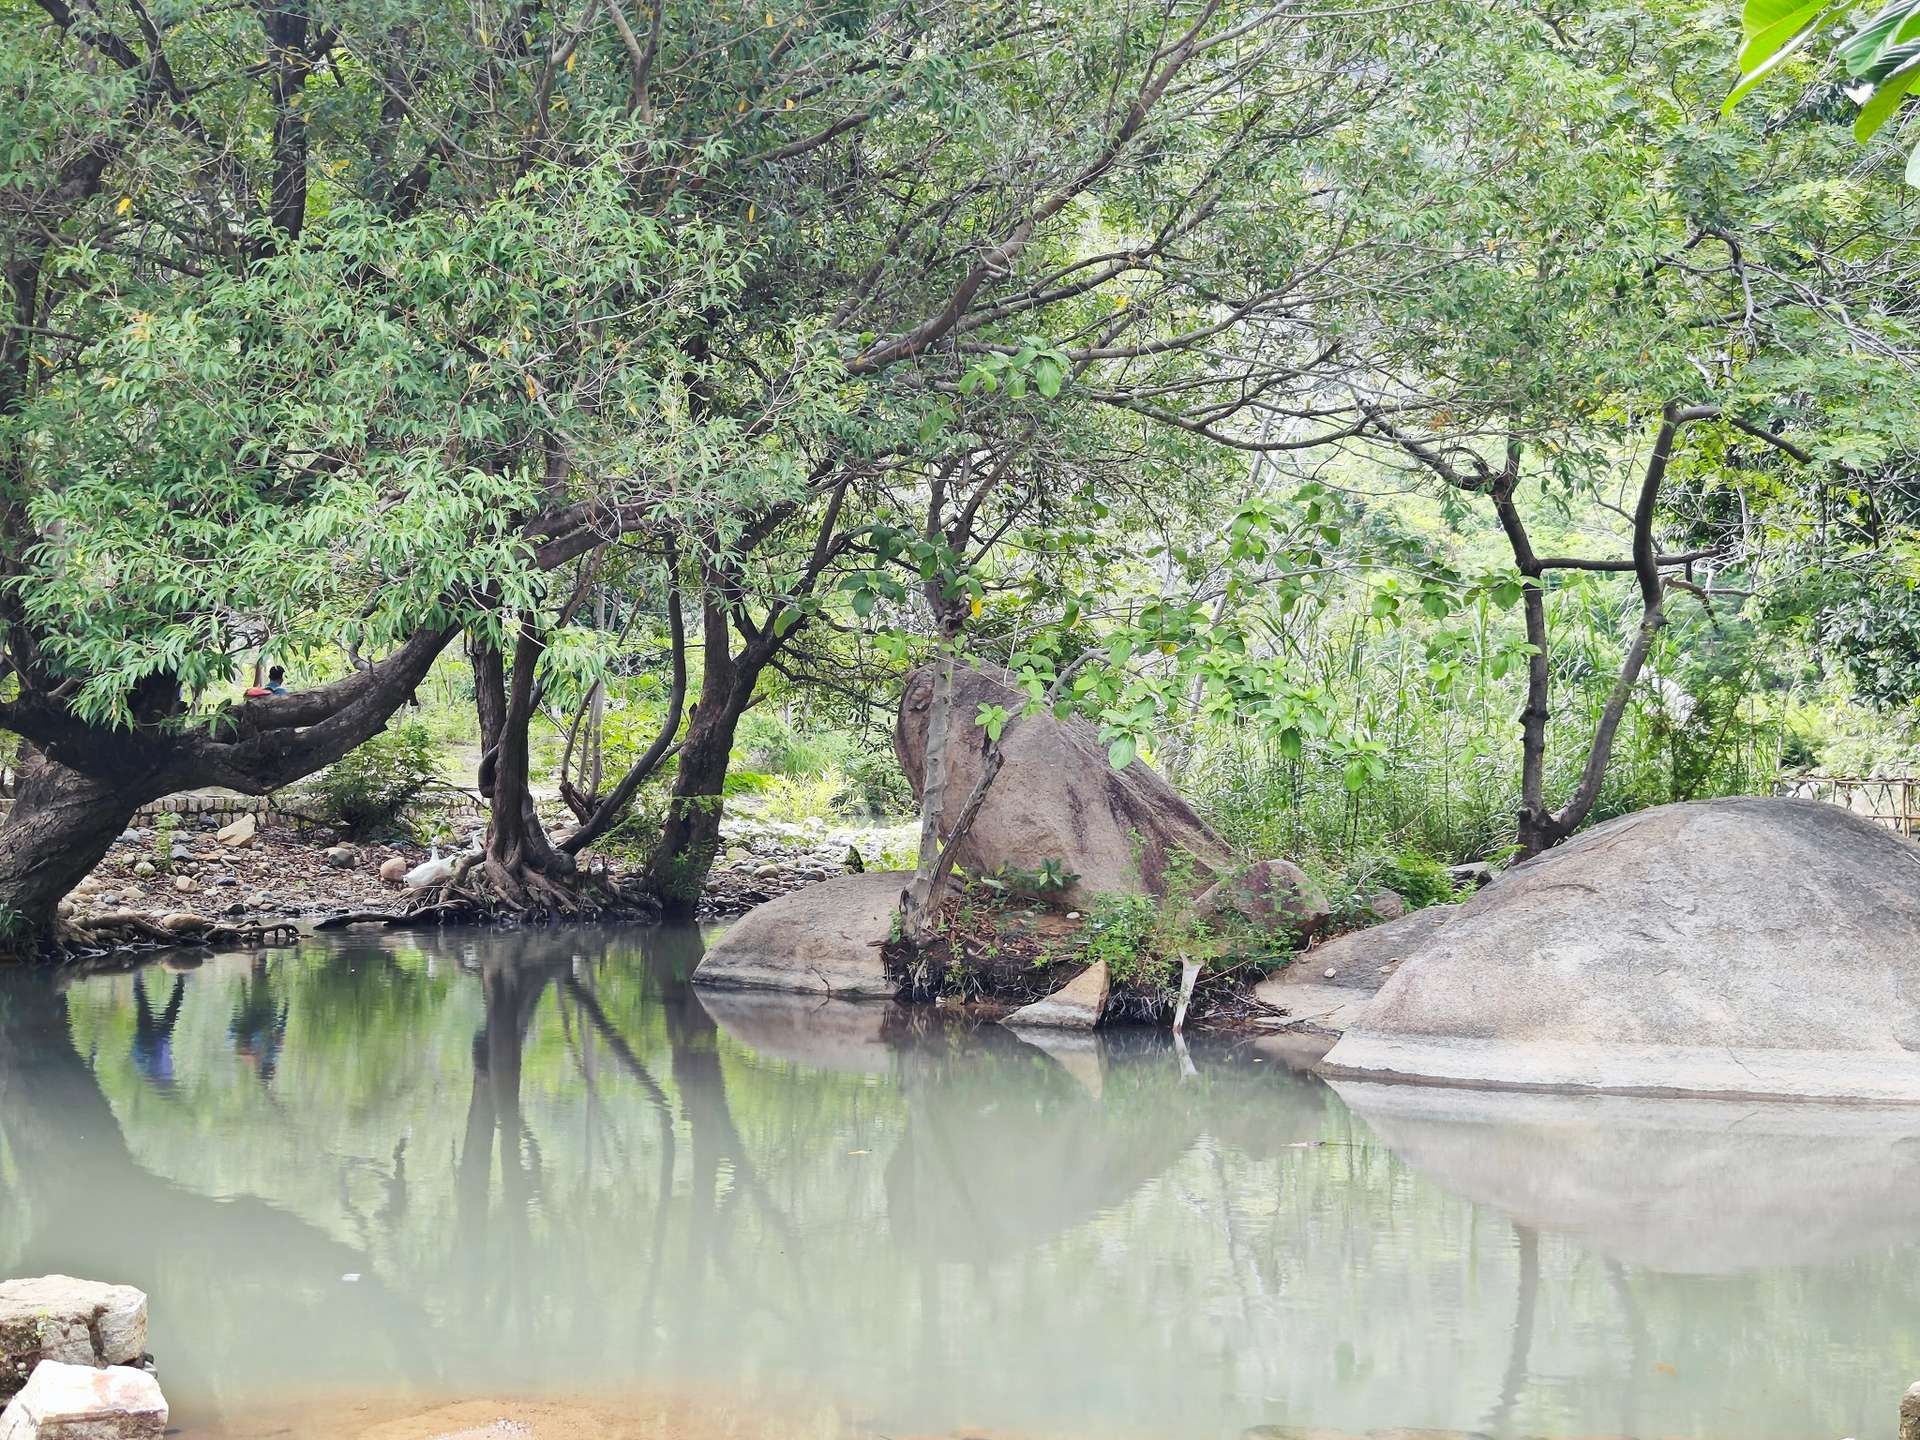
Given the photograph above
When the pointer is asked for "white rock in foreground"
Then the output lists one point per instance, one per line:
(80, 1322)
(78, 1402)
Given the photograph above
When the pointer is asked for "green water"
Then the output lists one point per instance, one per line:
(481, 1164)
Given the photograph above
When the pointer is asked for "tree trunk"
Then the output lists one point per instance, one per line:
(521, 866)
(921, 903)
(62, 824)
(690, 834)
(1531, 832)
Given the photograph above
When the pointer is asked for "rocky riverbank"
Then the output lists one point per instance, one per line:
(206, 872)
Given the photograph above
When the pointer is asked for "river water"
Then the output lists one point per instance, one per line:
(542, 1164)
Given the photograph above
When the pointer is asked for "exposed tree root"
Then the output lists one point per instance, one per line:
(487, 891)
(119, 930)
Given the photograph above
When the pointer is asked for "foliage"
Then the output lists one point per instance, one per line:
(1418, 879)
(874, 785)
(367, 792)
(795, 798)
(1046, 882)
(165, 828)
(1882, 55)
(1120, 933)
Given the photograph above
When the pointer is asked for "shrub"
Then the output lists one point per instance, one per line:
(793, 799)
(1120, 931)
(1046, 883)
(365, 791)
(164, 829)
(766, 742)
(875, 786)
(1418, 879)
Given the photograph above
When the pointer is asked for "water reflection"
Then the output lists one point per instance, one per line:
(467, 1165)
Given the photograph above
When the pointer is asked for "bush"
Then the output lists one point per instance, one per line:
(1120, 932)
(793, 800)
(1418, 879)
(365, 791)
(768, 743)
(875, 786)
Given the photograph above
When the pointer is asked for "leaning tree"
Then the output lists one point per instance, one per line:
(357, 324)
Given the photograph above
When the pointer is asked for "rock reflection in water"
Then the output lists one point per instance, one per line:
(1687, 1187)
(540, 1163)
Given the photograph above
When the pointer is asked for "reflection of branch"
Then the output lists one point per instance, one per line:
(590, 1006)
(1526, 1300)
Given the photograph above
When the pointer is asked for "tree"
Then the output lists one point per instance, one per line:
(1587, 265)
(929, 196)
(520, 293)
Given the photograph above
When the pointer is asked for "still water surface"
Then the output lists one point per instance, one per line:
(540, 1163)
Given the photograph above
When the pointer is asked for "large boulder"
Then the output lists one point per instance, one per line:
(1741, 947)
(824, 939)
(78, 1322)
(1056, 797)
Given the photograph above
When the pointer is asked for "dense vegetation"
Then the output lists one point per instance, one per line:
(1392, 421)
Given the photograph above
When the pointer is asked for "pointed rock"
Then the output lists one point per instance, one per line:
(1077, 1005)
(1057, 796)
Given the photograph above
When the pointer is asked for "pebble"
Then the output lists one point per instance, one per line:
(144, 868)
(1329, 972)
(184, 883)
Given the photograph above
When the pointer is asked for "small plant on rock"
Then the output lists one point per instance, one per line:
(164, 829)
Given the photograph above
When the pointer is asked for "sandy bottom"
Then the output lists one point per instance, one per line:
(651, 1417)
(648, 1417)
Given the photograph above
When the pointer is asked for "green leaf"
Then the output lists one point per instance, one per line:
(1884, 101)
(1121, 752)
(1771, 24)
(1766, 68)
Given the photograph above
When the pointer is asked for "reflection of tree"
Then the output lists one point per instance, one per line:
(238, 1286)
(1526, 1304)
(498, 1260)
